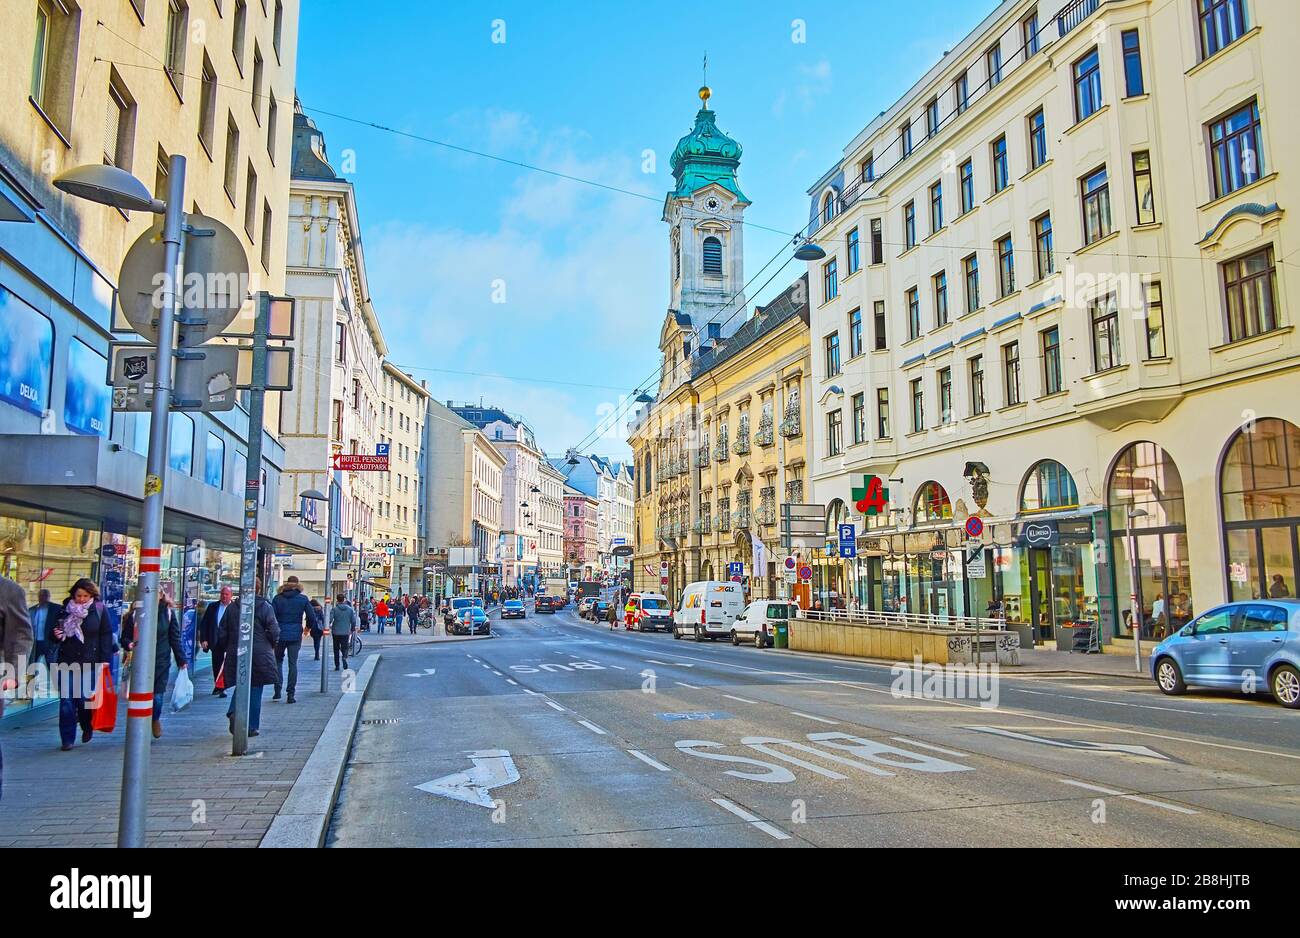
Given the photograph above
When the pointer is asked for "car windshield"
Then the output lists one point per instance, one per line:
(514, 604)
(778, 611)
(653, 604)
(461, 603)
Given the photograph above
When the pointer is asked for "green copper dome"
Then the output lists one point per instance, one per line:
(706, 155)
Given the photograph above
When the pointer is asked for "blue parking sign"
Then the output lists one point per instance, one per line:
(848, 540)
(381, 449)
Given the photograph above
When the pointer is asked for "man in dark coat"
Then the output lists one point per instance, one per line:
(224, 608)
(43, 616)
(15, 643)
(162, 665)
(294, 616)
(262, 668)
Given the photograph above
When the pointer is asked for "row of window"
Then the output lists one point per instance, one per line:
(1220, 23)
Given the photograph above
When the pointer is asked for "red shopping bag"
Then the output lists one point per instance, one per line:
(221, 679)
(104, 703)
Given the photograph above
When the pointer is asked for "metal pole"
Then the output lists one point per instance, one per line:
(134, 802)
(1134, 605)
(252, 505)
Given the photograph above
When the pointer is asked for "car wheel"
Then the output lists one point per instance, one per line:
(699, 637)
(735, 639)
(676, 634)
(1285, 685)
(1170, 677)
(759, 640)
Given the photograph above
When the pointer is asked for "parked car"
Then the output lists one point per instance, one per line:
(513, 609)
(584, 605)
(653, 612)
(707, 610)
(473, 620)
(598, 610)
(1237, 645)
(759, 621)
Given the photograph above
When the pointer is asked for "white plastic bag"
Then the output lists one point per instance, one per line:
(183, 693)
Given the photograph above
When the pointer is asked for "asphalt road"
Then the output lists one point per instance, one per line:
(557, 732)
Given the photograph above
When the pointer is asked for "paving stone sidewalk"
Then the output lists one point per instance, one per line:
(199, 794)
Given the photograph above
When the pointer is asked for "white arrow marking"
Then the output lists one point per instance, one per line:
(1076, 743)
(431, 671)
(493, 768)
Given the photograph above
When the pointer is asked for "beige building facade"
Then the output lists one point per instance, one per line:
(1057, 299)
(403, 404)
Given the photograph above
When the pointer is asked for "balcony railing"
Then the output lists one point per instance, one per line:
(766, 515)
(742, 443)
(742, 519)
(702, 457)
(765, 436)
(791, 426)
(1074, 14)
(723, 454)
(794, 492)
(723, 521)
(704, 525)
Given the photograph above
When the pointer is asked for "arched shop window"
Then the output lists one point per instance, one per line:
(932, 504)
(1145, 493)
(1260, 489)
(1049, 486)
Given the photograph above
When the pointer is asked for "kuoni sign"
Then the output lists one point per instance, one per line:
(872, 498)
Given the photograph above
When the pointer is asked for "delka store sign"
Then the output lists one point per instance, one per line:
(873, 497)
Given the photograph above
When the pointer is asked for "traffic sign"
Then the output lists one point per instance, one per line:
(974, 526)
(848, 541)
(358, 462)
(381, 449)
(805, 573)
(791, 563)
(214, 288)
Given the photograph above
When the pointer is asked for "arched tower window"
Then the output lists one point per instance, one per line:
(828, 207)
(712, 256)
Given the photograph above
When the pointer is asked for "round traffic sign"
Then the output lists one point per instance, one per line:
(791, 563)
(805, 573)
(974, 526)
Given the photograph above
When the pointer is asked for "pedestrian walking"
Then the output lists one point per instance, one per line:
(85, 641)
(167, 645)
(15, 645)
(364, 614)
(381, 614)
(213, 617)
(43, 616)
(399, 614)
(317, 625)
(612, 615)
(263, 668)
(343, 622)
(294, 616)
(412, 614)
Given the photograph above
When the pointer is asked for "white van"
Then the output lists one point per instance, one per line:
(758, 623)
(707, 610)
(653, 612)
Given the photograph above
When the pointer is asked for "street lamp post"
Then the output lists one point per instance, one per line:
(109, 185)
(1135, 605)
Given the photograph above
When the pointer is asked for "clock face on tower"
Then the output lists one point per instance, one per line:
(712, 204)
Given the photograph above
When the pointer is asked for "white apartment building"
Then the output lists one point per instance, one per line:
(335, 404)
(403, 404)
(464, 475)
(550, 523)
(1057, 298)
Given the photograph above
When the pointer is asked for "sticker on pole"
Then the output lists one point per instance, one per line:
(152, 485)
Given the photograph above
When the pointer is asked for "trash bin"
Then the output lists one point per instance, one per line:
(781, 639)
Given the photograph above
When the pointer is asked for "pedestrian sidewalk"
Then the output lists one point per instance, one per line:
(199, 794)
(1111, 665)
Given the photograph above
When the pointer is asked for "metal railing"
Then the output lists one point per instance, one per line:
(906, 620)
(1074, 14)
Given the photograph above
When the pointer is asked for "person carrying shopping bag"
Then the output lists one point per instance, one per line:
(163, 652)
(85, 640)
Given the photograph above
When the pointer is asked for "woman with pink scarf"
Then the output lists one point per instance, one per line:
(84, 635)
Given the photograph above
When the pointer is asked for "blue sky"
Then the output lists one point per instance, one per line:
(583, 89)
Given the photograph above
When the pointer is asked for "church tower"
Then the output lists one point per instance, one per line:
(704, 213)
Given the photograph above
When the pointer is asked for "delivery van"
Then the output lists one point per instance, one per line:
(708, 609)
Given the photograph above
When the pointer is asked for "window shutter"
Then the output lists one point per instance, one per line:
(112, 125)
(712, 256)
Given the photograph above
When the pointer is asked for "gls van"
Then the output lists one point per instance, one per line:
(708, 609)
